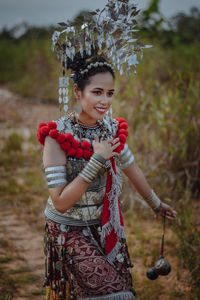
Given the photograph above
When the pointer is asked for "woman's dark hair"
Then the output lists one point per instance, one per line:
(81, 62)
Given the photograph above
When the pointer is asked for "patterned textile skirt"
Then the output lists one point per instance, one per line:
(76, 266)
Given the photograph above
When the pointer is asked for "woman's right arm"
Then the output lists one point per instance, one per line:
(64, 197)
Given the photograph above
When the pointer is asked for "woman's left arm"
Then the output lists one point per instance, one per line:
(138, 180)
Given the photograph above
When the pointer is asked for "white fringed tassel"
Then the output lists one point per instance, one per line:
(110, 112)
(63, 92)
(111, 119)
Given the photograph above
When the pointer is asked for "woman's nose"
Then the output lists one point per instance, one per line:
(105, 100)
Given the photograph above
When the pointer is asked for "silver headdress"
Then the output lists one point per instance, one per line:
(110, 31)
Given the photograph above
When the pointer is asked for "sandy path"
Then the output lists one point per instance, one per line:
(25, 242)
(26, 252)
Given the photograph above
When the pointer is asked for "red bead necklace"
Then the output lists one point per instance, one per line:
(74, 147)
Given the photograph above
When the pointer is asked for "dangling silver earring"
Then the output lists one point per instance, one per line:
(110, 111)
(78, 108)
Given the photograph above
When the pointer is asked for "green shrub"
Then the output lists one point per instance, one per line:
(13, 143)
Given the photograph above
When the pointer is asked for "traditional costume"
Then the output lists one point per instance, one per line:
(85, 258)
(86, 251)
(85, 247)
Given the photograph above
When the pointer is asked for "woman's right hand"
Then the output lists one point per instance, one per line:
(106, 148)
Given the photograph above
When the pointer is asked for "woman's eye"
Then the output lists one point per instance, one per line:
(110, 94)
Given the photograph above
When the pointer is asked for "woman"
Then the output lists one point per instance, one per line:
(85, 245)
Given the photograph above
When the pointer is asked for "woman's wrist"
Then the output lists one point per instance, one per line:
(99, 157)
(154, 202)
(158, 209)
(90, 171)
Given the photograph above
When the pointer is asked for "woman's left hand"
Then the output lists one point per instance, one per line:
(166, 210)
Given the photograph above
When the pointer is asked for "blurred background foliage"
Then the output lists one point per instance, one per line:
(161, 104)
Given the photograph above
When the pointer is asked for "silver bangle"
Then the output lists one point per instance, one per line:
(99, 158)
(96, 162)
(158, 209)
(153, 201)
(91, 169)
(56, 176)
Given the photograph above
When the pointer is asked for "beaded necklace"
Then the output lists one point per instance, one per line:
(77, 147)
(78, 126)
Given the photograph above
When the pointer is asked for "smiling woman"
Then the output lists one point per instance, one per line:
(85, 245)
(87, 255)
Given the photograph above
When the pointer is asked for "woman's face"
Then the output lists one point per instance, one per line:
(96, 98)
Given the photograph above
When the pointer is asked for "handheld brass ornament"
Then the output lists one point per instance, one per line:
(162, 266)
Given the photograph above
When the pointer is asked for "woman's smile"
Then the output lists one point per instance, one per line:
(101, 110)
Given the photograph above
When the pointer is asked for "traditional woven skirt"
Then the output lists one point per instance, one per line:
(76, 265)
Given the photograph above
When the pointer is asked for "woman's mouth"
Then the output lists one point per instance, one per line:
(101, 110)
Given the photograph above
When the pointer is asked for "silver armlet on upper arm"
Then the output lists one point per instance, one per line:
(56, 176)
(126, 157)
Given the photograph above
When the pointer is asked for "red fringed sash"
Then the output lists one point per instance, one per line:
(115, 230)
